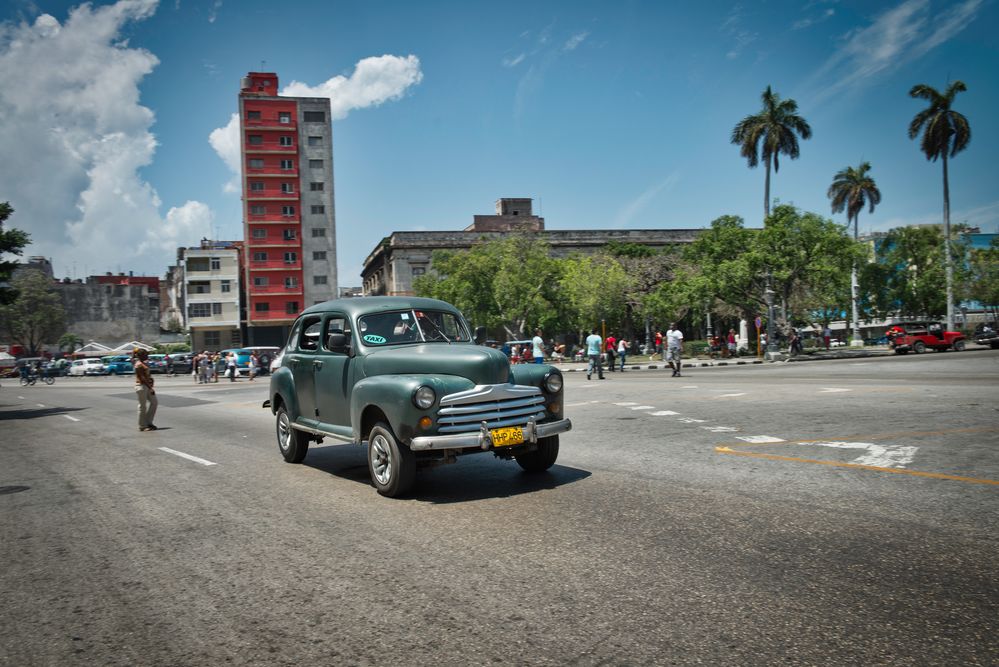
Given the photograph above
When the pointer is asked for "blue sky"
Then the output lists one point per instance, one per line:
(608, 114)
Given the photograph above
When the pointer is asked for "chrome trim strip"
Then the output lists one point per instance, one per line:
(485, 392)
(511, 420)
(325, 434)
(481, 439)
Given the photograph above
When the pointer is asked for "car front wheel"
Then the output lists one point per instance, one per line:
(959, 346)
(292, 443)
(542, 458)
(918, 347)
(392, 465)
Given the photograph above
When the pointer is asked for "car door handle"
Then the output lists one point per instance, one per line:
(317, 364)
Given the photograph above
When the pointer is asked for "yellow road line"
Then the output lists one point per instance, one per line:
(898, 471)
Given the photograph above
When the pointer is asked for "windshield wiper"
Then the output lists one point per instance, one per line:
(434, 325)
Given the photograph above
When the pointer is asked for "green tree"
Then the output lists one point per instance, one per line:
(36, 316)
(945, 134)
(983, 277)
(12, 241)
(592, 287)
(646, 269)
(768, 134)
(70, 342)
(908, 271)
(465, 279)
(851, 189)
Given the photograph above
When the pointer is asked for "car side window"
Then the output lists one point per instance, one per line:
(309, 339)
(335, 324)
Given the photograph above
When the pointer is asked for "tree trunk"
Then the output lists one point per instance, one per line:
(854, 289)
(766, 194)
(948, 262)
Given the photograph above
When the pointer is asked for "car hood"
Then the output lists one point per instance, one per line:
(481, 365)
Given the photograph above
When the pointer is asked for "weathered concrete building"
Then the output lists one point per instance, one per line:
(211, 294)
(113, 308)
(403, 256)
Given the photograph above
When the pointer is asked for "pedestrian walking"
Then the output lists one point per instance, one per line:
(732, 344)
(827, 336)
(254, 364)
(594, 353)
(622, 352)
(538, 345)
(231, 369)
(611, 346)
(205, 368)
(674, 348)
(144, 391)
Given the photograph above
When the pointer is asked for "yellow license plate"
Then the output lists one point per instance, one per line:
(504, 437)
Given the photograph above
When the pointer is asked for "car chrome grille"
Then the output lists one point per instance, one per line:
(496, 404)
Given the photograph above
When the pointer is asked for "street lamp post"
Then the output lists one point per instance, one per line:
(711, 331)
(768, 295)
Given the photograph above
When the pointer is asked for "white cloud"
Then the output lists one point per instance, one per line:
(375, 80)
(639, 203)
(895, 38)
(733, 28)
(576, 40)
(183, 225)
(514, 61)
(809, 21)
(70, 101)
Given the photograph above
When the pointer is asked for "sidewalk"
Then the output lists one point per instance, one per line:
(813, 355)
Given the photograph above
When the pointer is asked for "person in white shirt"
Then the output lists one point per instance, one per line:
(538, 343)
(674, 348)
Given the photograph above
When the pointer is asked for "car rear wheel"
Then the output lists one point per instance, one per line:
(292, 443)
(392, 465)
(959, 346)
(918, 347)
(542, 458)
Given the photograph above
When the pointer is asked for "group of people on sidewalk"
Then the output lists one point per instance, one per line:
(596, 347)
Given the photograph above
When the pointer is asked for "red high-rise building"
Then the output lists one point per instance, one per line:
(289, 222)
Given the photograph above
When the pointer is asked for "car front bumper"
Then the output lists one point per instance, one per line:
(482, 438)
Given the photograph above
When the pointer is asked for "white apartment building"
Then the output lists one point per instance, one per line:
(211, 295)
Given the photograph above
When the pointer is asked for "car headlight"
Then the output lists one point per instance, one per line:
(553, 383)
(424, 397)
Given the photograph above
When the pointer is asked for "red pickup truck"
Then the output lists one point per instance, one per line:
(920, 336)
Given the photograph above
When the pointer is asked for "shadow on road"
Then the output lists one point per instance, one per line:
(35, 413)
(474, 477)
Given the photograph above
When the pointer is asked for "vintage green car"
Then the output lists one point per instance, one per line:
(403, 376)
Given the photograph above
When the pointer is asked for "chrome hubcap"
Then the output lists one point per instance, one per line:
(284, 432)
(381, 459)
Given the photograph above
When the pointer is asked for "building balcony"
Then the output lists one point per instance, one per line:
(270, 147)
(269, 124)
(271, 171)
(271, 317)
(271, 290)
(259, 264)
(273, 219)
(280, 243)
(271, 196)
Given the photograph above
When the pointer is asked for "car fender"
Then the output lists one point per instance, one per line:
(282, 391)
(393, 396)
(533, 375)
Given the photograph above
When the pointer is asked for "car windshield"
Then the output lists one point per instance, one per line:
(412, 326)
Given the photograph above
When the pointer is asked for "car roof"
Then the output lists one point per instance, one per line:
(364, 305)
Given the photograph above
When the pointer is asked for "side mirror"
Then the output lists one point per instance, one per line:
(338, 342)
(480, 335)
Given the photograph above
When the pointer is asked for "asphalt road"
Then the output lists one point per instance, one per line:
(828, 513)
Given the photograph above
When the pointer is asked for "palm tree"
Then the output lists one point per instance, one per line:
(69, 342)
(851, 189)
(769, 133)
(945, 131)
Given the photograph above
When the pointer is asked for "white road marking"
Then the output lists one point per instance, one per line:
(72, 419)
(720, 429)
(624, 405)
(759, 439)
(663, 413)
(689, 386)
(41, 405)
(21, 397)
(644, 407)
(567, 405)
(881, 456)
(731, 395)
(833, 390)
(691, 420)
(186, 456)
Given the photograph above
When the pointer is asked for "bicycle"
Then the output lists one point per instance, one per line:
(30, 380)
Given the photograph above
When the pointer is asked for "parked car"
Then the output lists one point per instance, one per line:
(923, 335)
(265, 353)
(81, 367)
(118, 365)
(179, 362)
(157, 363)
(987, 333)
(403, 376)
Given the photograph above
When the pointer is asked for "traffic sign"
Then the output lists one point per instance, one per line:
(759, 322)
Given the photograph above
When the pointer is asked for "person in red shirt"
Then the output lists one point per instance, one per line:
(610, 345)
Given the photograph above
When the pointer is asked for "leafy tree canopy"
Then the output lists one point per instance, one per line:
(12, 241)
(36, 316)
